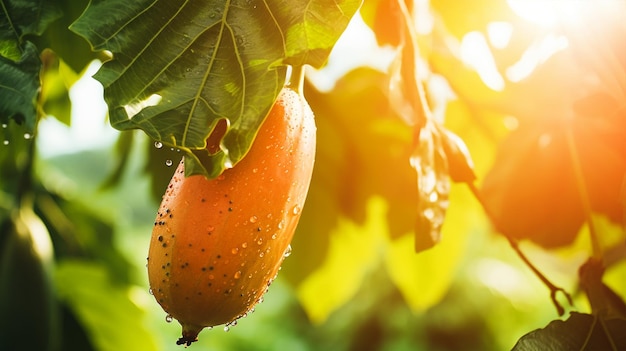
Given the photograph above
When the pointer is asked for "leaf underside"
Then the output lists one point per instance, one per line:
(180, 66)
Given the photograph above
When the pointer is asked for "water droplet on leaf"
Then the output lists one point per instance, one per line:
(158, 144)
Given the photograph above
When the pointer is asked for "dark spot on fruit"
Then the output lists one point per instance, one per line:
(204, 269)
(210, 268)
(210, 284)
(258, 229)
(230, 202)
(160, 238)
(230, 209)
(225, 275)
(167, 210)
(165, 245)
(219, 256)
(163, 267)
(203, 200)
(202, 249)
(228, 291)
(189, 245)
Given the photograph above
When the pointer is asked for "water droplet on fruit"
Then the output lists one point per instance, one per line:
(274, 236)
(235, 250)
(296, 209)
(158, 144)
(237, 275)
(169, 318)
(287, 251)
(281, 225)
(255, 170)
(151, 292)
(244, 245)
(226, 328)
(260, 241)
(253, 219)
(169, 163)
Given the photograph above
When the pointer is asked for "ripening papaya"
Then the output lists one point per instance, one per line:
(217, 244)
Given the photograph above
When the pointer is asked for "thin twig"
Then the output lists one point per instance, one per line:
(554, 290)
(584, 195)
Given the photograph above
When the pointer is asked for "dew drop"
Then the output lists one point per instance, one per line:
(260, 241)
(151, 292)
(274, 236)
(281, 225)
(296, 209)
(226, 328)
(158, 144)
(255, 170)
(6, 142)
(237, 275)
(235, 250)
(4, 125)
(253, 219)
(287, 251)
(244, 245)
(27, 136)
(169, 318)
(169, 163)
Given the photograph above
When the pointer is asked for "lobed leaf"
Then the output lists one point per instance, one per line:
(180, 66)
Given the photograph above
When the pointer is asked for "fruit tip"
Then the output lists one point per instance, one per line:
(190, 335)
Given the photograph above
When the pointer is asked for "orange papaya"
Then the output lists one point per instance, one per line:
(217, 244)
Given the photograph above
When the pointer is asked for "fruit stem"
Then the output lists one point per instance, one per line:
(296, 80)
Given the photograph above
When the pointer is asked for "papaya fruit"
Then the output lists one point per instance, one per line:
(217, 244)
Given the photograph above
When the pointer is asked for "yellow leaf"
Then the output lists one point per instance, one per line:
(353, 251)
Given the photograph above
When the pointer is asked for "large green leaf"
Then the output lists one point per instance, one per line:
(180, 66)
(19, 58)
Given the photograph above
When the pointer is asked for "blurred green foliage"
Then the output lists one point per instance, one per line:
(75, 227)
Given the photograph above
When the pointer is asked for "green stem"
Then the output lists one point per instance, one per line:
(296, 80)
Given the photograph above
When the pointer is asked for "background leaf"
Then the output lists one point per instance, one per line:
(579, 332)
(215, 60)
(111, 317)
(19, 58)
